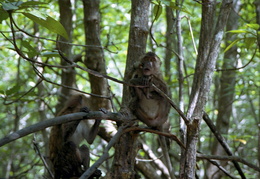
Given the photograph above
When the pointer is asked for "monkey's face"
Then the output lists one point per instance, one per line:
(149, 66)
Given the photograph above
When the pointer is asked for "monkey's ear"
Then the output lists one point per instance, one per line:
(136, 65)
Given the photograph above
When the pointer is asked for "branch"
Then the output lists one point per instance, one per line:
(118, 117)
(184, 117)
(233, 69)
(105, 155)
(168, 135)
(229, 158)
(222, 141)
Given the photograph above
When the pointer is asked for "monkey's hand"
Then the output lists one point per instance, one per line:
(147, 81)
(85, 109)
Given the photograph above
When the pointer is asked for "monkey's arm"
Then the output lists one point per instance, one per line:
(93, 132)
(68, 129)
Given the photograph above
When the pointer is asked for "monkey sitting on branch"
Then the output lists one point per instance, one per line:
(68, 159)
(147, 104)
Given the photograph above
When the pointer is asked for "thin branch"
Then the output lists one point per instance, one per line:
(168, 135)
(40, 75)
(37, 150)
(67, 43)
(222, 141)
(30, 90)
(184, 117)
(233, 69)
(105, 155)
(229, 158)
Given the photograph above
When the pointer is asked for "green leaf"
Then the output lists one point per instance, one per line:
(3, 16)
(157, 11)
(31, 51)
(51, 54)
(253, 26)
(249, 41)
(11, 5)
(33, 3)
(13, 90)
(232, 44)
(47, 22)
(237, 31)
(172, 5)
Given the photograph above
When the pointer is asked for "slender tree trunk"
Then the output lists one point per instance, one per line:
(209, 45)
(170, 40)
(257, 7)
(94, 53)
(126, 149)
(180, 68)
(227, 90)
(67, 75)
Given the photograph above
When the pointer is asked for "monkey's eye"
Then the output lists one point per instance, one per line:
(141, 65)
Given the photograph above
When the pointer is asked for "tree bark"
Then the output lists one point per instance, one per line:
(68, 76)
(257, 9)
(210, 39)
(127, 147)
(94, 53)
(137, 40)
(170, 40)
(227, 90)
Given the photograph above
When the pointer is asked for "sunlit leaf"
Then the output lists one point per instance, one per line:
(241, 140)
(51, 54)
(237, 31)
(232, 44)
(172, 5)
(33, 3)
(157, 11)
(253, 26)
(47, 22)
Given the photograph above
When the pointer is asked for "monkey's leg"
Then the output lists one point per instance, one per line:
(84, 151)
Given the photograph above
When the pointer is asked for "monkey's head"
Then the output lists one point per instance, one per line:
(150, 64)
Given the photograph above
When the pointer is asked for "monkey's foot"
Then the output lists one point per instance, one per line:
(103, 110)
(96, 174)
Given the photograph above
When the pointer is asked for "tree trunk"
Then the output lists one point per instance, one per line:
(227, 90)
(257, 7)
(209, 45)
(94, 53)
(127, 147)
(170, 40)
(68, 76)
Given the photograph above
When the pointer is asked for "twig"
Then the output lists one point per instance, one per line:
(233, 69)
(184, 117)
(168, 135)
(36, 148)
(229, 158)
(221, 140)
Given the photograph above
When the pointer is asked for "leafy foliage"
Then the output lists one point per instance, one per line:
(23, 95)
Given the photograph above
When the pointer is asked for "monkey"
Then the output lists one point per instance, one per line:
(67, 158)
(147, 104)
